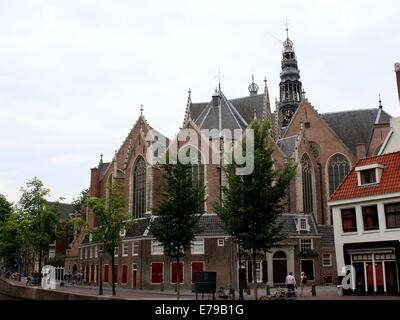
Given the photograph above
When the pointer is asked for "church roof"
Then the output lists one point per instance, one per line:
(287, 145)
(246, 106)
(235, 113)
(354, 126)
(223, 116)
(102, 169)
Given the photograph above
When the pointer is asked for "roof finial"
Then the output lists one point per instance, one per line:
(219, 76)
(380, 102)
(101, 159)
(190, 92)
(141, 110)
(253, 87)
(287, 28)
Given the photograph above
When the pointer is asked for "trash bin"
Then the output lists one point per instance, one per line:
(340, 290)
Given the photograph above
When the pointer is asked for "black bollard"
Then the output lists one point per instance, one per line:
(313, 291)
(268, 289)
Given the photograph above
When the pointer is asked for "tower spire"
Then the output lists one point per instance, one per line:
(380, 102)
(290, 85)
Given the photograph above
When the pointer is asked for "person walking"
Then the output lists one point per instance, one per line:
(290, 282)
(303, 282)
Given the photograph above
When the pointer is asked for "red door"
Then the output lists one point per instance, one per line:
(106, 273)
(115, 274)
(173, 276)
(92, 273)
(196, 267)
(157, 272)
(124, 274)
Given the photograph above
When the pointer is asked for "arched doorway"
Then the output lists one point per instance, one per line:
(279, 267)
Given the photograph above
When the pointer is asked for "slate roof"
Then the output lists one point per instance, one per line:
(235, 113)
(289, 221)
(64, 210)
(287, 145)
(102, 169)
(327, 236)
(355, 126)
(246, 106)
(223, 116)
(139, 229)
(389, 183)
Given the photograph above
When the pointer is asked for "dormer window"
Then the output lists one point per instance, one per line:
(369, 174)
(303, 224)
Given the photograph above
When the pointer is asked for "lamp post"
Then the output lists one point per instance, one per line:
(100, 253)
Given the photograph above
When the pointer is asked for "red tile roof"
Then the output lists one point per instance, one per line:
(390, 180)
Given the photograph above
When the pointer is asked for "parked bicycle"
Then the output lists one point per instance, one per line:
(226, 293)
(280, 294)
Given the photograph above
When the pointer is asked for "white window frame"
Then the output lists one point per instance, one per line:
(259, 268)
(96, 251)
(52, 252)
(116, 252)
(135, 244)
(81, 253)
(85, 253)
(90, 253)
(196, 245)
(301, 221)
(301, 244)
(330, 260)
(220, 242)
(125, 245)
(156, 248)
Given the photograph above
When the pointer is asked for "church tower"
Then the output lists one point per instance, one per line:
(290, 85)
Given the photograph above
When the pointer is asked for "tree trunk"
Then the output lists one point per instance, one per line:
(178, 280)
(255, 275)
(112, 273)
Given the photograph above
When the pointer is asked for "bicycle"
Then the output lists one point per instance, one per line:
(280, 294)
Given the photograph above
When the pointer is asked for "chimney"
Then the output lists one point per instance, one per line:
(361, 150)
(397, 70)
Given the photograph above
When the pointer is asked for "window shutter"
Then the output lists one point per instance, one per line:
(250, 272)
(264, 272)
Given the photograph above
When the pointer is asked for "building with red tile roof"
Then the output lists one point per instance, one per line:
(366, 221)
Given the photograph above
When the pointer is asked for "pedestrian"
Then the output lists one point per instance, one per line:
(290, 282)
(74, 280)
(303, 282)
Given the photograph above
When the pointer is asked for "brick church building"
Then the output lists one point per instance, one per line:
(325, 146)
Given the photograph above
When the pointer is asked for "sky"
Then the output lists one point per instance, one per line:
(73, 74)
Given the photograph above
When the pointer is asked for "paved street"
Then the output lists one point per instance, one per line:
(323, 293)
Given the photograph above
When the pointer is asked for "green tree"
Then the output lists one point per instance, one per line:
(178, 212)
(112, 219)
(38, 217)
(11, 238)
(5, 208)
(57, 261)
(251, 203)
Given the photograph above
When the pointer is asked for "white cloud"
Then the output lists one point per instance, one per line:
(74, 73)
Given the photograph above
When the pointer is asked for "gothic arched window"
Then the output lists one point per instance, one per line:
(307, 184)
(338, 168)
(139, 188)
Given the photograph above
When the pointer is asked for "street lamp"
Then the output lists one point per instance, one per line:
(100, 253)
